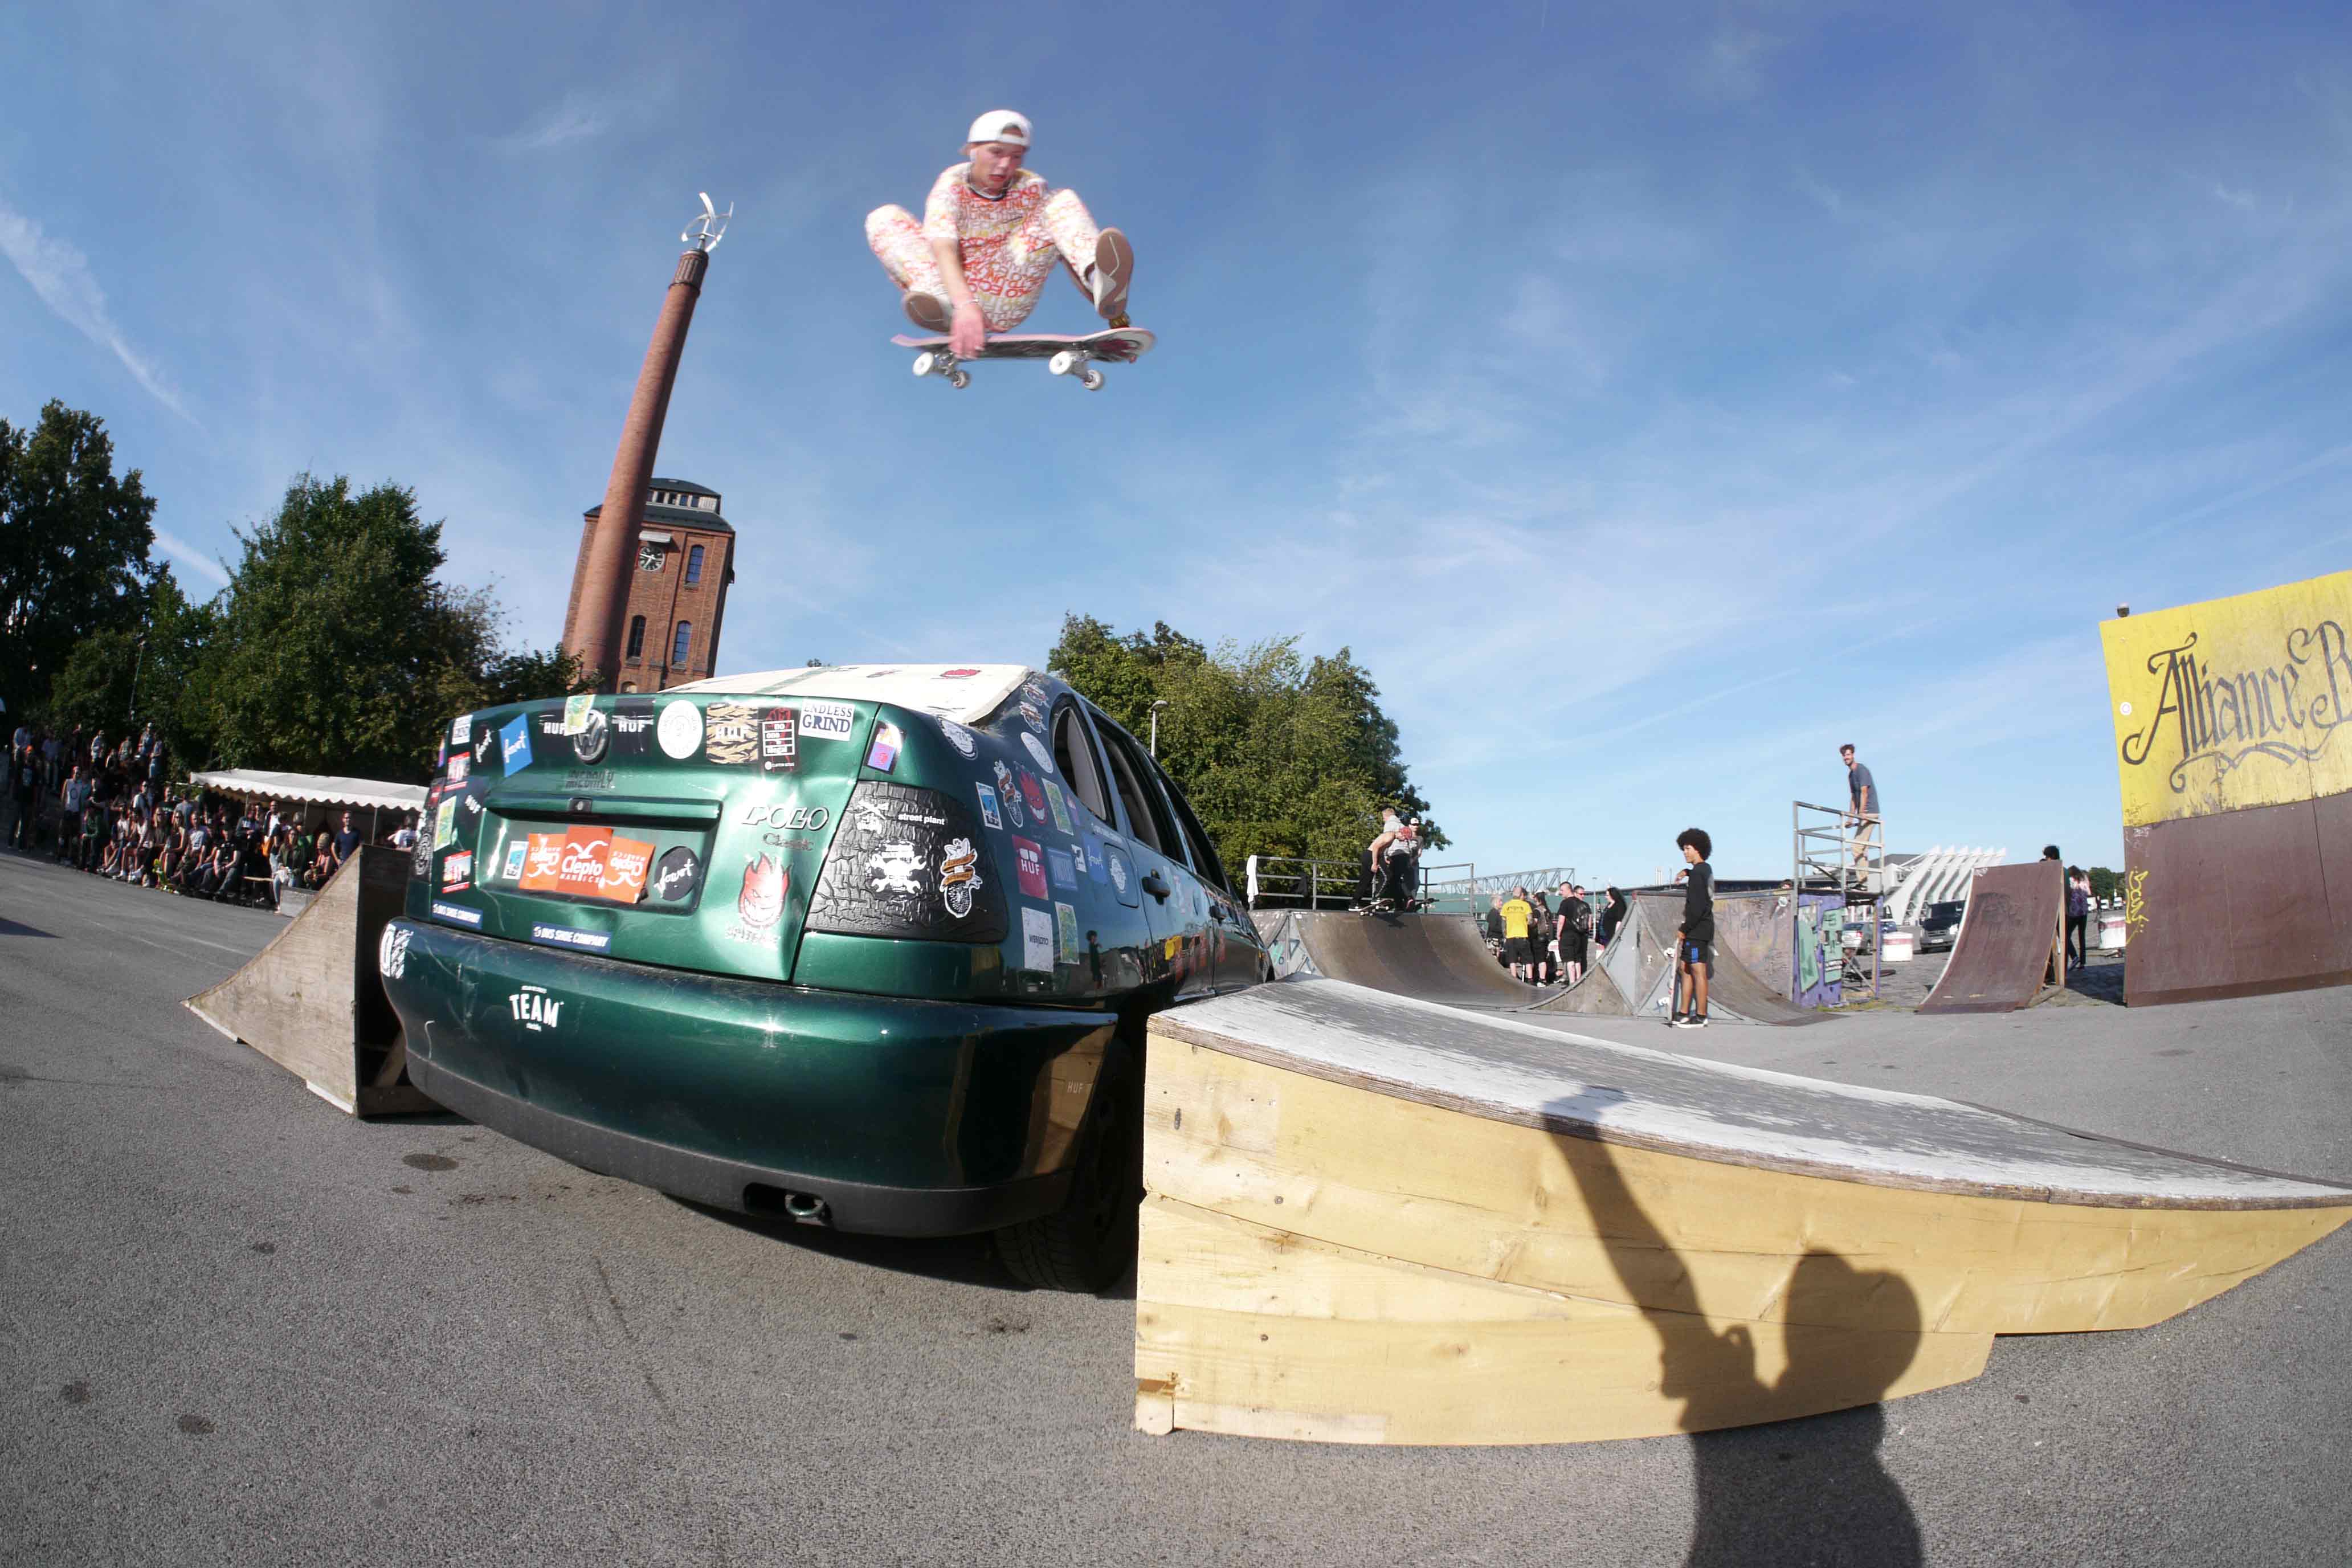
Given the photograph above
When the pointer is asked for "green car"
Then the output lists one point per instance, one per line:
(868, 947)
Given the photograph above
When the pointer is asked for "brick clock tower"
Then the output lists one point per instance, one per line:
(678, 587)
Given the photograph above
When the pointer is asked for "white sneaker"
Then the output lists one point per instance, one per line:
(927, 312)
(1114, 270)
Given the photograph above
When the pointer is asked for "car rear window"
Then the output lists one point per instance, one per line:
(1074, 753)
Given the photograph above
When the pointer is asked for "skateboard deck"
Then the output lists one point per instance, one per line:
(1065, 354)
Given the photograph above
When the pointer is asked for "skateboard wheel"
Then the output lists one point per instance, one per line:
(1062, 363)
(926, 363)
(1091, 380)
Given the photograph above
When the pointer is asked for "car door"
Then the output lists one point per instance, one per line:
(1153, 851)
(1231, 954)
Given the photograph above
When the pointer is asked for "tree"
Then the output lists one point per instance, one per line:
(1279, 757)
(151, 672)
(2105, 884)
(75, 543)
(337, 652)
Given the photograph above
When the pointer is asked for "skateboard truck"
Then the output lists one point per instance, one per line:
(941, 363)
(1073, 361)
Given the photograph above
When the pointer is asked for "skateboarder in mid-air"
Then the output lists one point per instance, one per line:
(990, 235)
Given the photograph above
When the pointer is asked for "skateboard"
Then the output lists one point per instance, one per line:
(1065, 353)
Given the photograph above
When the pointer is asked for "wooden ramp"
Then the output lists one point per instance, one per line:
(2012, 941)
(313, 1002)
(1442, 958)
(1372, 1219)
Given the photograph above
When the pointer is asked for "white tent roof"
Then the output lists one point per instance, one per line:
(314, 787)
(965, 692)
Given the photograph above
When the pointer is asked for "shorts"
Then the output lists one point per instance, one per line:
(1515, 950)
(1698, 953)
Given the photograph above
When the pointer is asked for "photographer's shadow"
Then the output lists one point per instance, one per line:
(1813, 1490)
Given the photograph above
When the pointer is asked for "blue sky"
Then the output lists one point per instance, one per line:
(1652, 402)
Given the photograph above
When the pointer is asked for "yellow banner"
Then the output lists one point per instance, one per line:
(2234, 702)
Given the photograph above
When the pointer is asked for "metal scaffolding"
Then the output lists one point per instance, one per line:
(1839, 853)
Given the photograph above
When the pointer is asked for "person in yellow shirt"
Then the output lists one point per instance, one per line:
(1517, 912)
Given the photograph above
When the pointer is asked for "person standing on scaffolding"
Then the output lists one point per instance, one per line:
(1861, 806)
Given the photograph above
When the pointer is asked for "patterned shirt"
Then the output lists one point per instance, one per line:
(983, 226)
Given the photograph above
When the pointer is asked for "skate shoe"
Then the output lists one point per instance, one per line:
(927, 312)
(1114, 270)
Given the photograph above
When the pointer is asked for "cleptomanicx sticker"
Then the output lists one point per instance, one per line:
(680, 729)
(1036, 939)
(959, 737)
(1037, 749)
(827, 720)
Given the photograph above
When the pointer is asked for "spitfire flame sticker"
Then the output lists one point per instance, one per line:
(760, 903)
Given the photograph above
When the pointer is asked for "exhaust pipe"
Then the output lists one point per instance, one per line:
(801, 1208)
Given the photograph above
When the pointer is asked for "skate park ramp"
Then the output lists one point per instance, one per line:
(1372, 1219)
(313, 1000)
(2013, 939)
(1443, 958)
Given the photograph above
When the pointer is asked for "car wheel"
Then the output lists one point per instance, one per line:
(1089, 1242)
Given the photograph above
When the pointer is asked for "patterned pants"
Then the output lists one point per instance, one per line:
(1005, 277)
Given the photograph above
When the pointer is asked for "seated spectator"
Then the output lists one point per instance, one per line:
(324, 863)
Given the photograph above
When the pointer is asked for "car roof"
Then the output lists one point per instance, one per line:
(968, 693)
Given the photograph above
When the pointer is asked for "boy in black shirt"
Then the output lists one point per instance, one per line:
(1694, 943)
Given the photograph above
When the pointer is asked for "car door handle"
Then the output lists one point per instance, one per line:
(1156, 886)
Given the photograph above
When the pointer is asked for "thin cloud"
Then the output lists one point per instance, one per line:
(571, 120)
(62, 276)
(188, 556)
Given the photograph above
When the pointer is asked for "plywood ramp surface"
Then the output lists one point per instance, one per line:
(1375, 1220)
(312, 1001)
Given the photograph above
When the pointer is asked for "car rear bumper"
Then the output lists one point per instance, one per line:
(899, 1117)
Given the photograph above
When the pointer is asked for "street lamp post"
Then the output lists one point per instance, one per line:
(1156, 707)
(131, 712)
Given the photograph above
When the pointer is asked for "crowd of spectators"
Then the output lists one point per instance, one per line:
(1547, 944)
(103, 805)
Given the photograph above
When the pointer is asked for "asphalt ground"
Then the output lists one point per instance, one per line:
(237, 1326)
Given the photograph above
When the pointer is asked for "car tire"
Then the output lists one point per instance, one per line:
(1088, 1243)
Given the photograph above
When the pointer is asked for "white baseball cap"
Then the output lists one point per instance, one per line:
(1000, 125)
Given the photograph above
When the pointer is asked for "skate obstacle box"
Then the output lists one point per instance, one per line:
(313, 1002)
(1372, 1219)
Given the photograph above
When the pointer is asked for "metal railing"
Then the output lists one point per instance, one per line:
(1296, 882)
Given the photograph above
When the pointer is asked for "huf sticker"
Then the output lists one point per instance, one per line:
(733, 737)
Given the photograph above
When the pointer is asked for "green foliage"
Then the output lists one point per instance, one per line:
(121, 679)
(1279, 757)
(2105, 884)
(74, 548)
(338, 653)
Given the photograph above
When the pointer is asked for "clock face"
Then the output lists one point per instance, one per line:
(650, 557)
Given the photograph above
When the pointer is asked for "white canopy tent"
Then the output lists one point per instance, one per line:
(375, 795)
